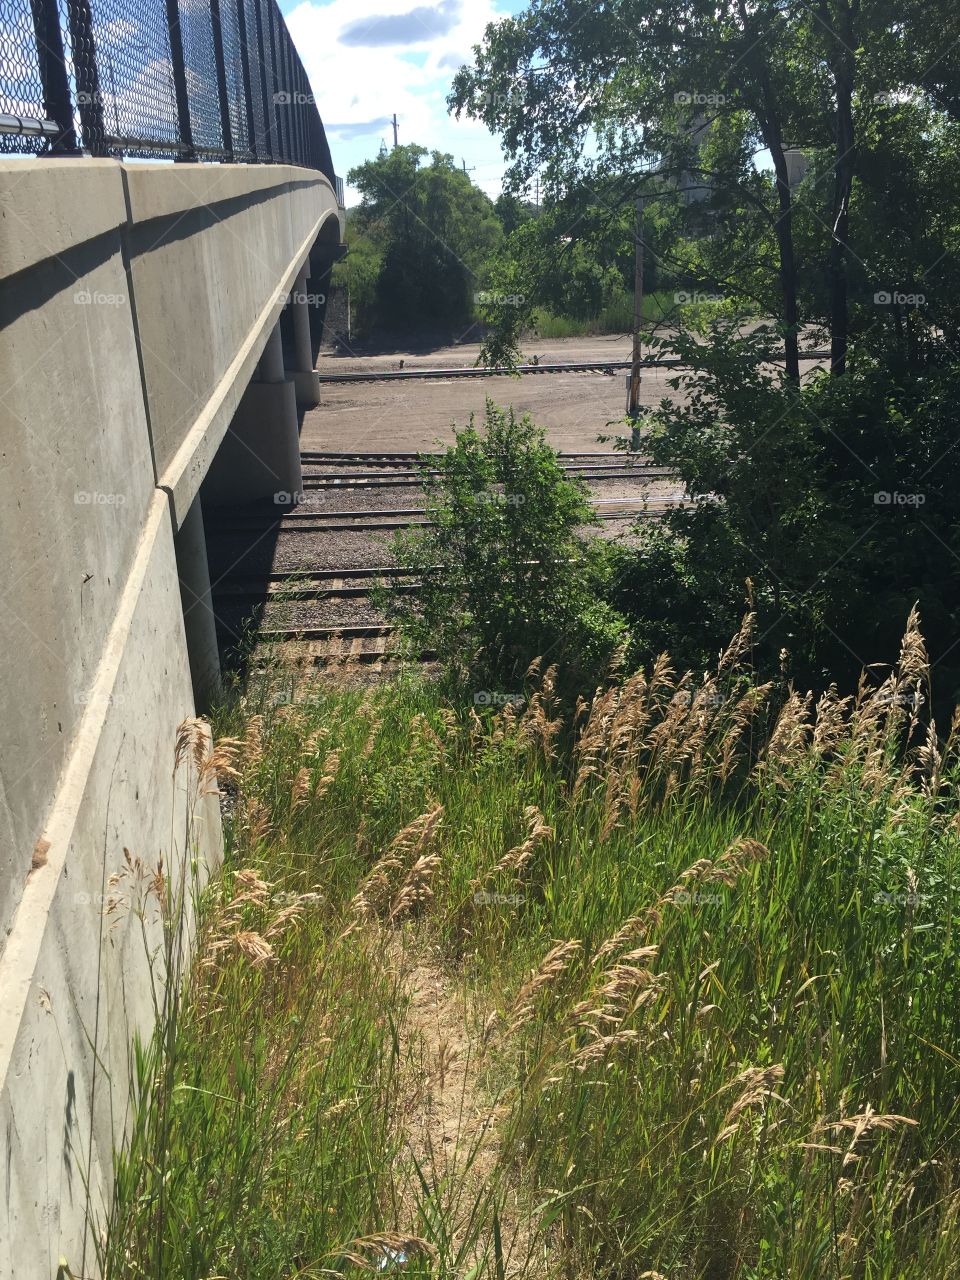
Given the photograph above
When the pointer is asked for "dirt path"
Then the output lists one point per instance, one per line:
(450, 1125)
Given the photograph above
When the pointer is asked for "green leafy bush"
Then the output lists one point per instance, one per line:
(504, 575)
(836, 500)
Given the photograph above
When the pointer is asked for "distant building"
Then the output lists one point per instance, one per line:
(798, 162)
(694, 185)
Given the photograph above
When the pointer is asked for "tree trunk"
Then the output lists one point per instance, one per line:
(770, 127)
(843, 66)
(788, 262)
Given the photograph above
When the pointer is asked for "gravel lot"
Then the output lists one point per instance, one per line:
(573, 408)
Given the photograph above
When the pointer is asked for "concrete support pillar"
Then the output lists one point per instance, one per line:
(198, 616)
(305, 376)
(259, 457)
(270, 368)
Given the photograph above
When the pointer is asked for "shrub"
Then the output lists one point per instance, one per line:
(504, 576)
(836, 500)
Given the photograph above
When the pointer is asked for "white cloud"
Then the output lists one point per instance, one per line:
(367, 59)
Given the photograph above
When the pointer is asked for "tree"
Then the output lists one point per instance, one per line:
(512, 211)
(836, 503)
(504, 575)
(434, 231)
(636, 97)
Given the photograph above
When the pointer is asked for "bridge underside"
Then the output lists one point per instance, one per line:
(156, 336)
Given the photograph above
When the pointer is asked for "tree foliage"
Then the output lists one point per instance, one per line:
(505, 575)
(432, 232)
(699, 109)
(833, 506)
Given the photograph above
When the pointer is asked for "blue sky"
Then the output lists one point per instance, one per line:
(367, 59)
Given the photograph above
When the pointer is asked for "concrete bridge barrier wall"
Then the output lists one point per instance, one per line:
(136, 302)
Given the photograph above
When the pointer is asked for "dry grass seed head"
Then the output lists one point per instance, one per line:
(248, 887)
(757, 1086)
(553, 965)
(515, 860)
(601, 1048)
(371, 739)
(252, 750)
(738, 646)
(735, 859)
(377, 1252)
(255, 822)
(831, 721)
(300, 791)
(191, 743)
(328, 774)
(249, 943)
(376, 892)
(789, 737)
(535, 723)
(626, 988)
(931, 762)
(416, 889)
(913, 665)
(220, 765)
(744, 711)
(859, 1126)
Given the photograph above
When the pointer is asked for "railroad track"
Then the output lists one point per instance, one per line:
(300, 590)
(373, 480)
(411, 459)
(410, 470)
(497, 371)
(374, 647)
(328, 611)
(409, 517)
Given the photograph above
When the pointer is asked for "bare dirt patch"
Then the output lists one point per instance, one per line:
(450, 1122)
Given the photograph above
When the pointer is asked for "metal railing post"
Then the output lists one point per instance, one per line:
(89, 103)
(226, 131)
(245, 76)
(268, 105)
(305, 105)
(52, 66)
(184, 128)
(279, 151)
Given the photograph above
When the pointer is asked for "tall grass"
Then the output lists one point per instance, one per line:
(707, 939)
(616, 316)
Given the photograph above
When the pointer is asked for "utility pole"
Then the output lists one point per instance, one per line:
(465, 169)
(536, 195)
(633, 382)
(395, 129)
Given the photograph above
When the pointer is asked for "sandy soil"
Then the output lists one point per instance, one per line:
(449, 1120)
(575, 409)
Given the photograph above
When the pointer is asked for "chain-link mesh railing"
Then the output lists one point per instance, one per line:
(191, 79)
(26, 125)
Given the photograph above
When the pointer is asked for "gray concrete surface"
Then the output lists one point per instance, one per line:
(259, 457)
(220, 247)
(136, 303)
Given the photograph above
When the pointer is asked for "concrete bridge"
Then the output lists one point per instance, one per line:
(159, 324)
